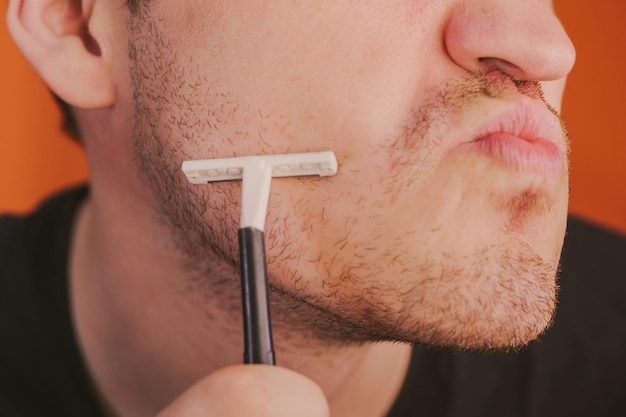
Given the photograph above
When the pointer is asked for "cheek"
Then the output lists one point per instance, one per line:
(453, 207)
(310, 77)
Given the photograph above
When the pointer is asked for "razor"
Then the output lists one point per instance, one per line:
(256, 172)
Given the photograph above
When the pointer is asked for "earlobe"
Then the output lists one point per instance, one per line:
(54, 36)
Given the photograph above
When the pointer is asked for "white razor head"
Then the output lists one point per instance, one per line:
(285, 165)
(257, 171)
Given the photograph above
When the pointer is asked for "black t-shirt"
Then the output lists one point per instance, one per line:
(41, 370)
(578, 368)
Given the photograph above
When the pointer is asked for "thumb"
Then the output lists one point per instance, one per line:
(251, 390)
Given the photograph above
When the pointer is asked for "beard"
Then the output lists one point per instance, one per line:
(331, 278)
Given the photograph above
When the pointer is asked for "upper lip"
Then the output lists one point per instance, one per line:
(526, 118)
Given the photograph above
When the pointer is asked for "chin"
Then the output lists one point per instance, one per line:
(498, 297)
(497, 320)
(498, 326)
(501, 297)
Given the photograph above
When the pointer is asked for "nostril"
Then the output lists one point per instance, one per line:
(502, 65)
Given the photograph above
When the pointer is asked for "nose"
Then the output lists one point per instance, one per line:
(522, 38)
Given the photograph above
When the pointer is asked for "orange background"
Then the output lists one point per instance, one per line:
(36, 159)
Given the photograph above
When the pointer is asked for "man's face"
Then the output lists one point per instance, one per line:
(445, 222)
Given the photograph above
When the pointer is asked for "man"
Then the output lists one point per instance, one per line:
(444, 226)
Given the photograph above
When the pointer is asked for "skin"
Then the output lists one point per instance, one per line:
(417, 239)
(411, 232)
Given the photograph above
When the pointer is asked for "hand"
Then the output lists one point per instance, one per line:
(251, 390)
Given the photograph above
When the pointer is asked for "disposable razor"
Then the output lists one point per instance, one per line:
(256, 172)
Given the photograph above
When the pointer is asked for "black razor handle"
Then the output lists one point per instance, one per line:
(257, 326)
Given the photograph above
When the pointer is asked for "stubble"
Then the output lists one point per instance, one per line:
(499, 296)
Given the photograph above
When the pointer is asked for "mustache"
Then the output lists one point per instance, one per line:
(427, 122)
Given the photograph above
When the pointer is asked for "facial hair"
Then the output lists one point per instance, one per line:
(499, 296)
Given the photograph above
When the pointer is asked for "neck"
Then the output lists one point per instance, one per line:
(149, 328)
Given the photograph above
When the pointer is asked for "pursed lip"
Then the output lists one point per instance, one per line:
(525, 137)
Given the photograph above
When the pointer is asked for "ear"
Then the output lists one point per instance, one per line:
(62, 41)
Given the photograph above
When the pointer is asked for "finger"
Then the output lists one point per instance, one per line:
(251, 390)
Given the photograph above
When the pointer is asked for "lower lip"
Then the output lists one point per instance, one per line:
(535, 157)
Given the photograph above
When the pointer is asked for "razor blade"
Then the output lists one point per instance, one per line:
(256, 171)
(285, 165)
